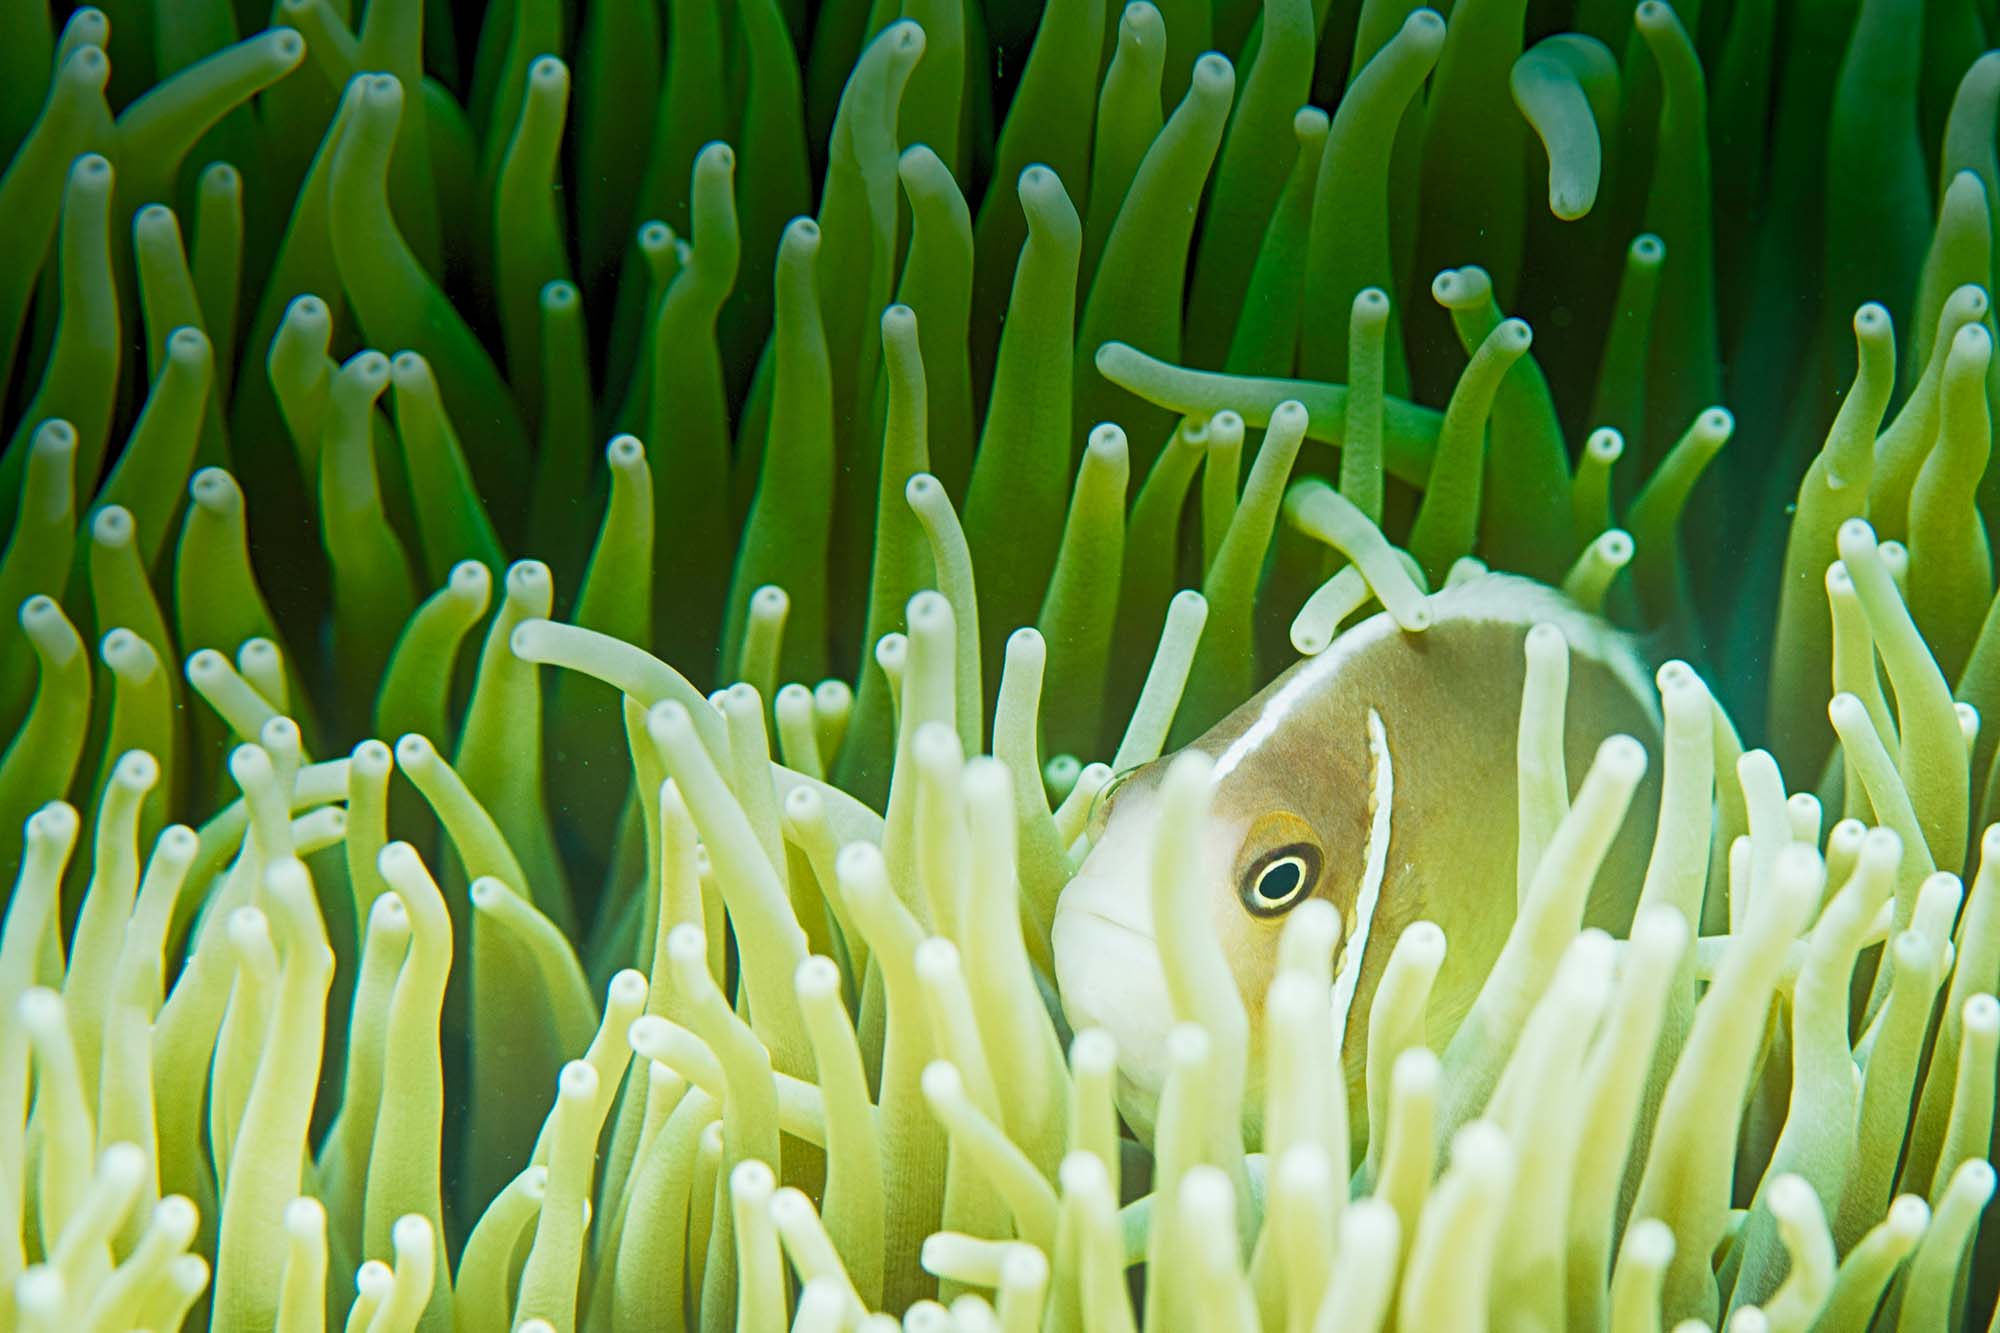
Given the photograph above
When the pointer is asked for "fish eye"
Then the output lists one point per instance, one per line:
(1280, 879)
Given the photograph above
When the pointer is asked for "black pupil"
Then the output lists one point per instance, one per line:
(1279, 880)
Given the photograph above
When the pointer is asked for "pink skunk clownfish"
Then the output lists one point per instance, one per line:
(1379, 775)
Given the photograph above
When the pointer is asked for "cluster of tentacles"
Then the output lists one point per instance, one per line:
(979, 401)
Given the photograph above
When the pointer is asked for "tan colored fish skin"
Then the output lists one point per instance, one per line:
(1293, 767)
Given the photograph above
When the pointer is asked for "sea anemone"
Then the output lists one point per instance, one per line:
(584, 572)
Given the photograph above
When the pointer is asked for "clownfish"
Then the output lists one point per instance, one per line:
(1380, 775)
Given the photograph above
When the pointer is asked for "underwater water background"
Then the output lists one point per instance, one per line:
(582, 574)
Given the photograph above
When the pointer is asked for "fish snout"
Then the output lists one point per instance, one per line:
(1109, 976)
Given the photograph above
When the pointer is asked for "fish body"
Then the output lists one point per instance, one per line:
(1295, 814)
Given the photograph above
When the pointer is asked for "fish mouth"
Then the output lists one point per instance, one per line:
(1109, 976)
(1125, 927)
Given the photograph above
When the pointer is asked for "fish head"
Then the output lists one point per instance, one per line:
(1272, 837)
